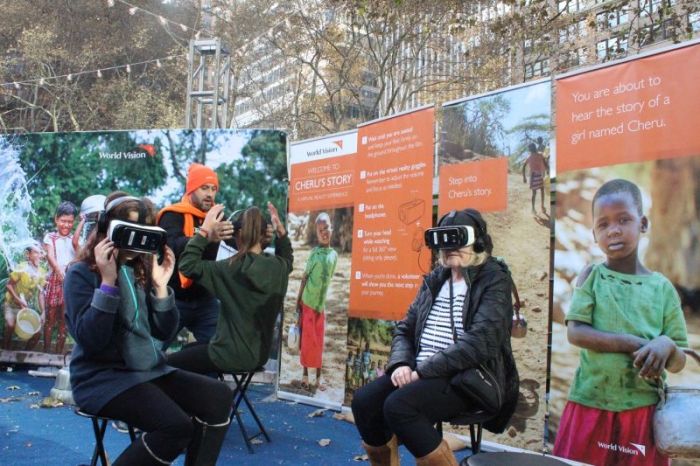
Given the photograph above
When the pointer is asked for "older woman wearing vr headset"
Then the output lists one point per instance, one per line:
(450, 355)
(117, 304)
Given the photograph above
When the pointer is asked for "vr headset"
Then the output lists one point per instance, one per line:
(138, 238)
(132, 236)
(450, 237)
(236, 218)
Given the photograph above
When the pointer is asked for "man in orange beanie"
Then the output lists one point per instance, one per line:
(199, 310)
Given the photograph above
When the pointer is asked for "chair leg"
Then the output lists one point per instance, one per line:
(99, 450)
(475, 431)
(238, 396)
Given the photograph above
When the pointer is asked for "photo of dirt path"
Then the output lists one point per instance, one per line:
(334, 352)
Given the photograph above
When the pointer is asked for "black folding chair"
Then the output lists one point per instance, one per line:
(474, 420)
(99, 427)
(242, 382)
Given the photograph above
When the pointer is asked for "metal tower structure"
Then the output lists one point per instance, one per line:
(208, 79)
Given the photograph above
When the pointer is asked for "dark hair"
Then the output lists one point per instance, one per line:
(473, 218)
(532, 147)
(620, 186)
(142, 263)
(249, 231)
(66, 208)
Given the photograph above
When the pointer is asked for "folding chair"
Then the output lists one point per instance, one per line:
(242, 381)
(474, 420)
(99, 427)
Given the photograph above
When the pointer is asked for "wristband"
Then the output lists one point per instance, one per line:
(204, 232)
(110, 290)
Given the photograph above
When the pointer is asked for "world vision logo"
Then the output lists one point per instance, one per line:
(638, 448)
(338, 143)
(140, 152)
(326, 150)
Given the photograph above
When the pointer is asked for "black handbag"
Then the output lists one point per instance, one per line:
(477, 383)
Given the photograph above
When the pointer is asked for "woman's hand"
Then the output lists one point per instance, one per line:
(106, 261)
(403, 375)
(161, 273)
(275, 218)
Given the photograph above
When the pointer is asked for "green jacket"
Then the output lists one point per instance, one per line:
(251, 291)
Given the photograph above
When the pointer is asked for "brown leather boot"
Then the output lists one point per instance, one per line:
(386, 455)
(441, 456)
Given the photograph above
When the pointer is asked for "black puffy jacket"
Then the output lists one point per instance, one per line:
(487, 317)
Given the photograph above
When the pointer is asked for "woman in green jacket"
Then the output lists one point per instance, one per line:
(250, 285)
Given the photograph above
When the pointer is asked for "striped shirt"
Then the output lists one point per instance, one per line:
(437, 333)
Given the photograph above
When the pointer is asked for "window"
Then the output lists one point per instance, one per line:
(611, 48)
(538, 68)
(572, 32)
(574, 6)
(612, 19)
(575, 57)
(694, 21)
(650, 7)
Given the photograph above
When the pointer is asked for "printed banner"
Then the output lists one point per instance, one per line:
(320, 224)
(634, 121)
(493, 156)
(50, 188)
(393, 201)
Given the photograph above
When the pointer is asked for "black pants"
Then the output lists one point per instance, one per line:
(194, 358)
(410, 412)
(163, 407)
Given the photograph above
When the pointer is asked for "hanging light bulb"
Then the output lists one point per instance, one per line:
(69, 77)
(132, 10)
(159, 64)
(99, 73)
(128, 68)
(196, 36)
(183, 27)
(17, 85)
(110, 3)
(162, 20)
(42, 81)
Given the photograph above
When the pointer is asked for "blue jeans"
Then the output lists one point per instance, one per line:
(199, 316)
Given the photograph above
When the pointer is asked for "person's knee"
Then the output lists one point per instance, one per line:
(396, 409)
(361, 402)
(219, 403)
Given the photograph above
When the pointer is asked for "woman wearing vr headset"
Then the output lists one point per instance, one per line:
(117, 304)
(458, 326)
(250, 285)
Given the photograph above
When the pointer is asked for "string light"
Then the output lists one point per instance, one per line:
(98, 72)
(183, 27)
(110, 3)
(132, 10)
(162, 20)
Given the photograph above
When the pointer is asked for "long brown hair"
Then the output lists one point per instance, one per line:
(142, 263)
(249, 233)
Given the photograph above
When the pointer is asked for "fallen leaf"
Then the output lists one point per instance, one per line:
(13, 387)
(9, 399)
(50, 402)
(317, 413)
(363, 457)
(34, 406)
(34, 393)
(256, 441)
(324, 442)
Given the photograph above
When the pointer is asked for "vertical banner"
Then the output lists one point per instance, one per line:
(50, 185)
(636, 121)
(393, 205)
(493, 156)
(321, 196)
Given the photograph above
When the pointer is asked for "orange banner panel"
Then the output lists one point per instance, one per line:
(322, 184)
(393, 206)
(481, 185)
(635, 111)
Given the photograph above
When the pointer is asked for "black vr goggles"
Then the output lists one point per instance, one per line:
(450, 237)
